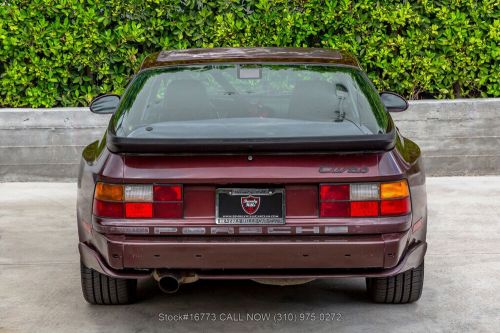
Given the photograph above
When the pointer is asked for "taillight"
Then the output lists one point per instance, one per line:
(138, 210)
(395, 207)
(134, 193)
(364, 208)
(167, 193)
(138, 201)
(108, 192)
(334, 192)
(364, 199)
(394, 190)
(108, 209)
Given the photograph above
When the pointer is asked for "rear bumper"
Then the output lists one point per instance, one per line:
(254, 257)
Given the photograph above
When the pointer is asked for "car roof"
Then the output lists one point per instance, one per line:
(250, 55)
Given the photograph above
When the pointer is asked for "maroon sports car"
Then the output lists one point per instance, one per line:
(280, 165)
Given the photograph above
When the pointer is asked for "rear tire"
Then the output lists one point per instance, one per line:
(402, 288)
(98, 288)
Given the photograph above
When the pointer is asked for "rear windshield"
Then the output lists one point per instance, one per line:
(241, 101)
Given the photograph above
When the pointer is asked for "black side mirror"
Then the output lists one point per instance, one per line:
(105, 104)
(393, 102)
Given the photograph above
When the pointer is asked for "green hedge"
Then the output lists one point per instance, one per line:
(64, 52)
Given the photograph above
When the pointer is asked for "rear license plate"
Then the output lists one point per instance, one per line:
(250, 206)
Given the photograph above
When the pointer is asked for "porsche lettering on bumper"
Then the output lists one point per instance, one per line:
(225, 230)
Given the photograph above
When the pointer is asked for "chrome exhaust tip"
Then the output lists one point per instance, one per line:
(170, 282)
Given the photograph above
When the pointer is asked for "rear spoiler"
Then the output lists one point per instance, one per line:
(376, 142)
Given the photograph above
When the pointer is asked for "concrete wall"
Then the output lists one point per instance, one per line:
(45, 144)
(458, 137)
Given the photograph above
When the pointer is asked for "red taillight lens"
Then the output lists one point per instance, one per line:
(395, 207)
(334, 209)
(167, 193)
(364, 208)
(334, 192)
(108, 209)
(136, 210)
(168, 210)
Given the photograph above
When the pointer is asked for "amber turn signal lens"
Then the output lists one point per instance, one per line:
(110, 192)
(394, 190)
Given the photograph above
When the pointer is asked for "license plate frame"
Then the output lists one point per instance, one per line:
(270, 211)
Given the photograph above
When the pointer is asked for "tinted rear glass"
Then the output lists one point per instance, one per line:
(249, 101)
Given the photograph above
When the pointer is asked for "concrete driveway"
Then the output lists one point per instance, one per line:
(40, 281)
